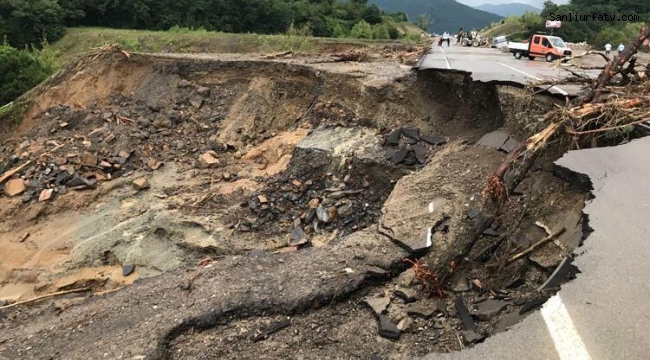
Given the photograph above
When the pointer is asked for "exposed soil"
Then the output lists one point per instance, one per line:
(278, 183)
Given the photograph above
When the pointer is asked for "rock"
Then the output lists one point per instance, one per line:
(184, 84)
(15, 187)
(140, 184)
(473, 213)
(345, 210)
(297, 237)
(104, 165)
(313, 203)
(196, 101)
(89, 159)
(203, 90)
(461, 285)
(377, 304)
(127, 270)
(45, 195)
(434, 140)
(494, 139)
(390, 153)
(423, 309)
(488, 309)
(400, 155)
(27, 196)
(464, 315)
(408, 295)
(405, 324)
(162, 121)
(420, 153)
(323, 214)
(262, 199)
(208, 160)
(490, 232)
(417, 244)
(393, 137)
(472, 337)
(387, 329)
(78, 180)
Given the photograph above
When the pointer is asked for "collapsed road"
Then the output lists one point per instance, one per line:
(299, 189)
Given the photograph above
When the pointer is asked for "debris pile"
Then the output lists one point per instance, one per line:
(407, 146)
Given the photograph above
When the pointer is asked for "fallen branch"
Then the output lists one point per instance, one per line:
(13, 171)
(536, 245)
(44, 297)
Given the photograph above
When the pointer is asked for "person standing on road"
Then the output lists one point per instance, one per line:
(445, 38)
(621, 47)
(608, 49)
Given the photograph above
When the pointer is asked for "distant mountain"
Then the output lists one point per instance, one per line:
(447, 15)
(504, 10)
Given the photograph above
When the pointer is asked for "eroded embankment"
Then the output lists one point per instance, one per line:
(281, 180)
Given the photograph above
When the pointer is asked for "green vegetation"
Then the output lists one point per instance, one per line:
(596, 33)
(22, 69)
(28, 22)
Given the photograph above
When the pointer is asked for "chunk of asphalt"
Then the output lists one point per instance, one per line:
(533, 304)
(127, 270)
(387, 328)
(472, 337)
(417, 245)
(410, 141)
(434, 140)
(376, 357)
(464, 315)
(413, 133)
(277, 326)
(408, 295)
(559, 275)
(495, 139)
(490, 232)
(473, 213)
(393, 137)
(400, 155)
(377, 304)
(420, 153)
(422, 309)
(509, 145)
(390, 153)
(488, 309)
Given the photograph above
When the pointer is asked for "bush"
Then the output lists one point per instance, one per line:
(20, 70)
(361, 30)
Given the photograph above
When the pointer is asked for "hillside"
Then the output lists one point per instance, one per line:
(447, 15)
(504, 10)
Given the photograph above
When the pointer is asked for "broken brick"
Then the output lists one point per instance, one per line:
(89, 159)
(140, 184)
(45, 195)
(208, 160)
(15, 187)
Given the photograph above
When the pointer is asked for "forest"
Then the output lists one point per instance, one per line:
(29, 22)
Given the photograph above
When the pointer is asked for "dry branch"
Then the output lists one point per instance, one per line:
(13, 171)
(535, 246)
(46, 296)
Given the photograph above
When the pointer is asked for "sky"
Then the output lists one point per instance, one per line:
(537, 3)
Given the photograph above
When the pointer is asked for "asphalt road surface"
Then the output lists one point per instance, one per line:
(603, 314)
(491, 65)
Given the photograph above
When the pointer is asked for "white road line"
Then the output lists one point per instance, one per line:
(567, 341)
(445, 56)
(534, 77)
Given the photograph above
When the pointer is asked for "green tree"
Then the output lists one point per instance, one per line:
(424, 21)
(20, 70)
(361, 30)
(380, 31)
(29, 22)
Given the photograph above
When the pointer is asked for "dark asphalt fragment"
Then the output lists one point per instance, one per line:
(275, 327)
(400, 155)
(533, 304)
(387, 329)
(472, 337)
(420, 153)
(127, 270)
(393, 137)
(562, 273)
(413, 133)
(464, 315)
(488, 309)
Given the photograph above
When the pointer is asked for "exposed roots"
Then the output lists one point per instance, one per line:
(496, 191)
(427, 278)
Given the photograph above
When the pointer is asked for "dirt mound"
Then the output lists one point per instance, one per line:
(133, 166)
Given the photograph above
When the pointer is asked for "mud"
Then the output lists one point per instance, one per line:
(291, 220)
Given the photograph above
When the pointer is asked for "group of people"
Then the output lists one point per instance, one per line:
(608, 49)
